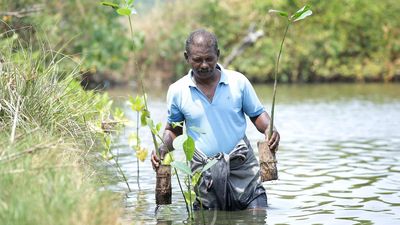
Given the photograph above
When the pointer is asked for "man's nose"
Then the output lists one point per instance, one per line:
(204, 63)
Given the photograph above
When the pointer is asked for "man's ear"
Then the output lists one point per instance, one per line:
(218, 53)
(185, 54)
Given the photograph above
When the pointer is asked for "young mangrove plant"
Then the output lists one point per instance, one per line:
(109, 126)
(267, 157)
(137, 105)
(186, 144)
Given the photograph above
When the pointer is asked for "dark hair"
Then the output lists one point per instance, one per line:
(208, 36)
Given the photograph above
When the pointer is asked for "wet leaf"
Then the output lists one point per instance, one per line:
(181, 166)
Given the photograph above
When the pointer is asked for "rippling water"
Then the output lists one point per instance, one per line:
(339, 160)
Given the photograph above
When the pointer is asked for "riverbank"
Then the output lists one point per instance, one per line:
(50, 142)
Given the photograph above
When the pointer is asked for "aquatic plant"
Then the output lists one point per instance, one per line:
(137, 105)
(299, 15)
(186, 144)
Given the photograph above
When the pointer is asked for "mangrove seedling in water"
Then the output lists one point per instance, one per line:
(299, 15)
(186, 143)
(107, 127)
(137, 105)
(268, 168)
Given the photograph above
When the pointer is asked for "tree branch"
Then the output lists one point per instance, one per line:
(251, 37)
(24, 12)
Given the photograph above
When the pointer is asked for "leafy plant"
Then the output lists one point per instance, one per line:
(137, 105)
(299, 15)
(186, 144)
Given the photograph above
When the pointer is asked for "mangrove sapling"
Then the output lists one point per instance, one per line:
(186, 143)
(137, 105)
(107, 154)
(127, 9)
(267, 157)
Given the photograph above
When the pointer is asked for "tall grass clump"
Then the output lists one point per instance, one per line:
(49, 133)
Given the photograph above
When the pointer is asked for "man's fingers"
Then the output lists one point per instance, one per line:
(155, 161)
(273, 142)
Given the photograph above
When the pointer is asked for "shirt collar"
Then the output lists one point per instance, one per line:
(223, 79)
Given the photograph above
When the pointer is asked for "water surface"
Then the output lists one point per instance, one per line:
(339, 160)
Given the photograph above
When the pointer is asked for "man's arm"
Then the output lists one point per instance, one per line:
(262, 123)
(170, 133)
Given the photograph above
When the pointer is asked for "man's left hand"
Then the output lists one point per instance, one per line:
(273, 141)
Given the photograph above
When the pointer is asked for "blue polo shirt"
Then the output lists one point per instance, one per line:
(222, 122)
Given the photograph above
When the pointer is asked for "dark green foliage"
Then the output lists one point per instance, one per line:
(345, 40)
(84, 29)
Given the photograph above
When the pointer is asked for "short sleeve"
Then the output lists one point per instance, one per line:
(174, 112)
(251, 104)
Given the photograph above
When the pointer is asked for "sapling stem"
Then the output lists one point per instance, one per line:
(120, 170)
(271, 126)
(137, 144)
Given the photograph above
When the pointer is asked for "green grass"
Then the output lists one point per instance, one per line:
(49, 130)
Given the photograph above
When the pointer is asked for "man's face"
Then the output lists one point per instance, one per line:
(203, 60)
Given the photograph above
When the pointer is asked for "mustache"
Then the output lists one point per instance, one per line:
(204, 70)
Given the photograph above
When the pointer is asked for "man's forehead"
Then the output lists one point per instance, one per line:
(199, 50)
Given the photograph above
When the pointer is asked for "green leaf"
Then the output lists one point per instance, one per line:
(195, 178)
(137, 103)
(281, 13)
(113, 5)
(129, 2)
(178, 142)
(107, 142)
(209, 165)
(168, 159)
(144, 116)
(124, 11)
(150, 123)
(118, 114)
(189, 148)
(188, 197)
(158, 127)
(181, 166)
(301, 13)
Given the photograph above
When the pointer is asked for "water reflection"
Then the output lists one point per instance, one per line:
(338, 162)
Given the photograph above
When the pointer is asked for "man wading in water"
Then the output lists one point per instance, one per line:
(215, 100)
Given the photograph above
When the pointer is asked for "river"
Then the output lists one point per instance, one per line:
(338, 160)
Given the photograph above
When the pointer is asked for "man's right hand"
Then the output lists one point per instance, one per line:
(155, 160)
